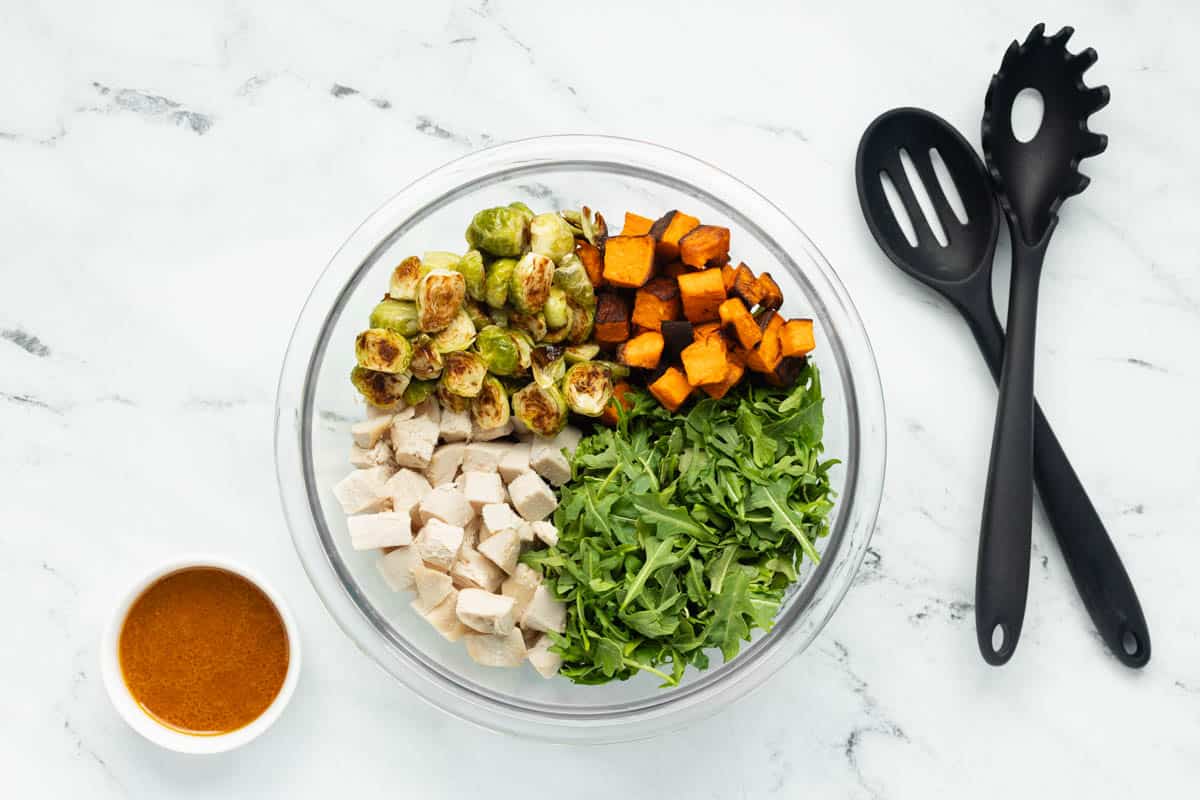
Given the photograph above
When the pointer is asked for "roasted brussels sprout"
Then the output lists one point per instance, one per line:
(426, 360)
(440, 297)
(478, 314)
(440, 259)
(501, 231)
(499, 316)
(458, 335)
(463, 373)
(529, 286)
(588, 388)
(558, 335)
(549, 366)
(419, 391)
(495, 290)
(447, 399)
(571, 276)
(551, 236)
(582, 319)
(383, 350)
(489, 409)
(473, 272)
(555, 311)
(614, 369)
(498, 348)
(396, 315)
(532, 324)
(541, 408)
(524, 209)
(524, 349)
(581, 352)
(403, 285)
(380, 389)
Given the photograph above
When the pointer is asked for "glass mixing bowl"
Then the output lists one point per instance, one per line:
(316, 405)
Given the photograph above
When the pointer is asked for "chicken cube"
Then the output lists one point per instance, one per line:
(515, 461)
(482, 489)
(369, 431)
(483, 456)
(362, 491)
(531, 497)
(443, 467)
(492, 650)
(525, 532)
(365, 457)
(473, 571)
(447, 504)
(396, 568)
(549, 461)
(486, 612)
(471, 533)
(495, 517)
(432, 587)
(568, 439)
(428, 409)
(444, 618)
(438, 544)
(545, 531)
(413, 441)
(487, 434)
(503, 549)
(455, 426)
(544, 612)
(385, 529)
(520, 586)
(540, 658)
(406, 488)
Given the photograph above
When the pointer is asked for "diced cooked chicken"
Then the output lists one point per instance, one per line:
(503, 549)
(482, 489)
(483, 456)
(432, 587)
(447, 504)
(568, 439)
(520, 586)
(455, 426)
(438, 543)
(385, 529)
(406, 488)
(374, 412)
(369, 431)
(549, 462)
(362, 491)
(491, 650)
(365, 457)
(473, 571)
(531, 497)
(540, 658)
(487, 434)
(429, 409)
(525, 532)
(545, 531)
(413, 441)
(471, 533)
(486, 612)
(544, 612)
(495, 517)
(396, 568)
(443, 467)
(444, 618)
(515, 461)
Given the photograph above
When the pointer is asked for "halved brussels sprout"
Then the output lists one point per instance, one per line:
(524, 349)
(463, 373)
(549, 366)
(499, 316)
(419, 391)
(440, 297)
(588, 388)
(396, 315)
(498, 348)
(495, 290)
(440, 259)
(477, 312)
(447, 399)
(571, 276)
(472, 269)
(426, 360)
(380, 389)
(529, 286)
(556, 312)
(558, 335)
(541, 408)
(383, 350)
(573, 218)
(581, 322)
(532, 324)
(458, 335)
(403, 285)
(524, 209)
(551, 236)
(489, 409)
(501, 231)
(581, 352)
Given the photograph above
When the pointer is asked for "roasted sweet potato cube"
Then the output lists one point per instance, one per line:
(796, 338)
(728, 273)
(702, 294)
(675, 269)
(766, 355)
(612, 318)
(736, 319)
(719, 261)
(745, 286)
(668, 230)
(771, 296)
(787, 372)
(636, 225)
(628, 260)
(656, 303)
(609, 415)
(644, 350)
(589, 254)
(705, 330)
(671, 389)
(677, 334)
(702, 244)
(734, 370)
(704, 360)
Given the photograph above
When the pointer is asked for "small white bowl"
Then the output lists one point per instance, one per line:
(147, 726)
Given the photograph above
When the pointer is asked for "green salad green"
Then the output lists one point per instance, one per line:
(681, 532)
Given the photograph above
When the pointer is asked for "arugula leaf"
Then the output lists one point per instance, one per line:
(775, 498)
(728, 627)
(658, 554)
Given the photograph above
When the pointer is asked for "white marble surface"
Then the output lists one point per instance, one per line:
(175, 178)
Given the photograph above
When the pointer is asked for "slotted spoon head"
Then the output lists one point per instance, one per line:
(1034, 178)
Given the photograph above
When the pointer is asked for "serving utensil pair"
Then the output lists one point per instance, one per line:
(1030, 179)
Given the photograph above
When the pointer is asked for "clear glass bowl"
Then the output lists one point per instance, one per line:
(316, 405)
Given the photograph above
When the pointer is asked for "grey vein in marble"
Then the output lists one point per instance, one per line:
(151, 105)
(26, 341)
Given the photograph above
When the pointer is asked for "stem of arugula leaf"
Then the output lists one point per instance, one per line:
(629, 662)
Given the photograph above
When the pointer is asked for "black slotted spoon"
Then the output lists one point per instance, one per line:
(962, 273)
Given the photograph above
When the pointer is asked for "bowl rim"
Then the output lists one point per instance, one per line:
(293, 430)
